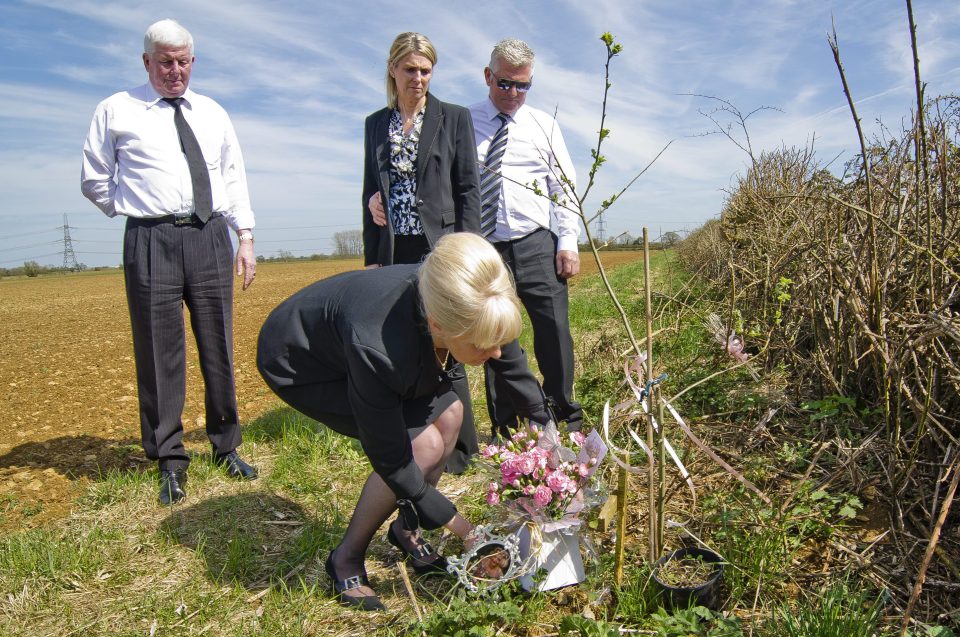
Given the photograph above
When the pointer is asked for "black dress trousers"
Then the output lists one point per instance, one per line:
(167, 266)
(532, 260)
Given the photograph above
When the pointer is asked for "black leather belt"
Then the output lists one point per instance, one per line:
(177, 220)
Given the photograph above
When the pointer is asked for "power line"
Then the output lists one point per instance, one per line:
(28, 234)
(336, 225)
(289, 240)
(25, 259)
(33, 245)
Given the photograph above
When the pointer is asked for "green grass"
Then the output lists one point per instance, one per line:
(246, 558)
(843, 609)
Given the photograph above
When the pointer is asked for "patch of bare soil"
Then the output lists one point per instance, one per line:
(68, 395)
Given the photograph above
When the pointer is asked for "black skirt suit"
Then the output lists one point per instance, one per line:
(353, 351)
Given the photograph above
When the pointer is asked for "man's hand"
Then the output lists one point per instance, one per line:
(568, 264)
(375, 203)
(246, 262)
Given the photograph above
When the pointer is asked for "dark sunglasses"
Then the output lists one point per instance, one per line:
(506, 85)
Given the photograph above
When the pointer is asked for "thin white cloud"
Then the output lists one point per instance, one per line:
(298, 79)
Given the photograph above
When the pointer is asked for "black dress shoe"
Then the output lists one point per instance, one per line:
(236, 468)
(172, 482)
(341, 586)
(417, 556)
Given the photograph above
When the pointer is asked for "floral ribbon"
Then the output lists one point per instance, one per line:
(640, 398)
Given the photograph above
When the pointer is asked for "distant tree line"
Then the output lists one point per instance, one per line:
(626, 241)
(33, 269)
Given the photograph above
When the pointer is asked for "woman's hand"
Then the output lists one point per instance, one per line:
(375, 204)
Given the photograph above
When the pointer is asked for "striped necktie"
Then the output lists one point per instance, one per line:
(491, 181)
(199, 174)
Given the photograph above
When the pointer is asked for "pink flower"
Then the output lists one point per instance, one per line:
(490, 450)
(493, 497)
(526, 464)
(578, 438)
(543, 459)
(583, 470)
(559, 482)
(556, 481)
(542, 496)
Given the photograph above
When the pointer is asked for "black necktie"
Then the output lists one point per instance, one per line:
(199, 176)
(491, 181)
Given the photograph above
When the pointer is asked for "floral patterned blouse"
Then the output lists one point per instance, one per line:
(403, 176)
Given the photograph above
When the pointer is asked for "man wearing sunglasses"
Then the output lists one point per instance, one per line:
(526, 214)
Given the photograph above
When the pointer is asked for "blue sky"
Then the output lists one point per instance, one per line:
(298, 79)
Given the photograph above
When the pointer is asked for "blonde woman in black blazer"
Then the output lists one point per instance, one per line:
(420, 175)
(364, 352)
(438, 192)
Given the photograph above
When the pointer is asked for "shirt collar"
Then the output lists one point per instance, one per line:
(492, 111)
(153, 98)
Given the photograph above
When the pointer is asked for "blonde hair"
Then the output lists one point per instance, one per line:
(467, 291)
(403, 45)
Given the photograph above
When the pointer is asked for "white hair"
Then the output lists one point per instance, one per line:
(166, 33)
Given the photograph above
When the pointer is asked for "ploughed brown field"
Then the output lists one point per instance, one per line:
(68, 395)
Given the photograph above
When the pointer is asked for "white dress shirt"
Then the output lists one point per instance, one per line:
(537, 154)
(133, 164)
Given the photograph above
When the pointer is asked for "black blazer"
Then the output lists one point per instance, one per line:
(366, 328)
(448, 189)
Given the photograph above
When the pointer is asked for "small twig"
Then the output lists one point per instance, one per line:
(406, 584)
(932, 545)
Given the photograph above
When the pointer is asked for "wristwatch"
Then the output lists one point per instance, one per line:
(245, 235)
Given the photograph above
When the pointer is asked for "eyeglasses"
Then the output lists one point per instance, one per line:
(505, 85)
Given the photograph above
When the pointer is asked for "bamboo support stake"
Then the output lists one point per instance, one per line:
(621, 521)
(661, 464)
(651, 477)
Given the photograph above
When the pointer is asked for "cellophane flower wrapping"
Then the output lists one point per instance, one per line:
(543, 478)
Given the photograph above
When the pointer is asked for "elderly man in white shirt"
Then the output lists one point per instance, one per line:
(521, 152)
(168, 160)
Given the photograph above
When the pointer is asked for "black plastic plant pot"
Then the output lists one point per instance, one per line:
(679, 588)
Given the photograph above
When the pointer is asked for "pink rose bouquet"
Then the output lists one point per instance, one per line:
(541, 476)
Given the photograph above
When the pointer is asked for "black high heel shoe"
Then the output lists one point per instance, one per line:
(422, 550)
(341, 586)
